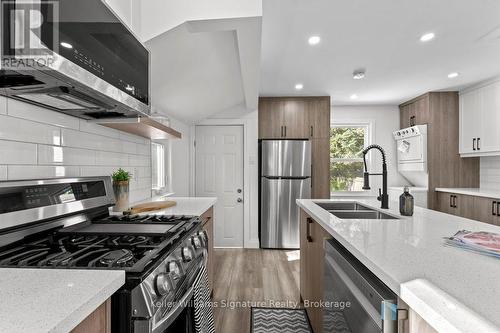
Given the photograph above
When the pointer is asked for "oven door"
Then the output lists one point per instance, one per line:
(411, 150)
(180, 318)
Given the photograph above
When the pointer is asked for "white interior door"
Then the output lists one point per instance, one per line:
(219, 173)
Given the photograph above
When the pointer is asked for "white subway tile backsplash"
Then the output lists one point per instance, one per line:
(133, 138)
(139, 160)
(490, 173)
(32, 112)
(13, 152)
(144, 149)
(108, 158)
(38, 143)
(65, 155)
(41, 171)
(90, 171)
(3, 172)
(90, 127)
(76, 139)
(17, 129)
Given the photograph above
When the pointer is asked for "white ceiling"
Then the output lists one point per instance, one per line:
(202, 68)
(383, 37)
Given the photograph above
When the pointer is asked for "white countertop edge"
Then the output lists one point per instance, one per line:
(185, 205)
(442, 311)
(477, 192)
(75, 318)
(387, 279)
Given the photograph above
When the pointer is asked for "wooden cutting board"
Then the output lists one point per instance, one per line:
(151, 206)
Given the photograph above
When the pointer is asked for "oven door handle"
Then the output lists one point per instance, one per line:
(386, 323)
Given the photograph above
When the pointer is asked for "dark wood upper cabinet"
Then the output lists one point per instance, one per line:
(294, 117)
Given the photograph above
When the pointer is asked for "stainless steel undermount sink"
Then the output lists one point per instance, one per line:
(338, 206)
(354, 210)
(363, 215)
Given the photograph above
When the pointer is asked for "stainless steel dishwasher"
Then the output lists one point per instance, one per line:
(356, 301)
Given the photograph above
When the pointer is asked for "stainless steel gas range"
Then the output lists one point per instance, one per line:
(65, 224)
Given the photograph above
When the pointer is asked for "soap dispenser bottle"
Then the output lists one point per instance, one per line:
(406, 203)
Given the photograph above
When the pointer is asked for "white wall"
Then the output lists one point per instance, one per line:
(490, 172)
(384, 120)
(38, 143)
(180, 160)
(162, 15)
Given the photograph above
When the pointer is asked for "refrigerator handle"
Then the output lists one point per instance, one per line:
(308, 230)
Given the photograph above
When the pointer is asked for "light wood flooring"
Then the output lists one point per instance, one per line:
(250, 276)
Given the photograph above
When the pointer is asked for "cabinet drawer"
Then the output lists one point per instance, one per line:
(486, 210)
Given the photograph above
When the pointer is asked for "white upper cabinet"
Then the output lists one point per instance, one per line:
(480, 121)
(129, 12)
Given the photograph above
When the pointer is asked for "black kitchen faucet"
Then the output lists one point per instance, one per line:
(383, 197)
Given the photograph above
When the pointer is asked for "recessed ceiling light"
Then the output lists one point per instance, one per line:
(354, 96)
(299, 86)
(453, 75)
(313, 40)
(358, 75)
(66, 45)
(427, 37)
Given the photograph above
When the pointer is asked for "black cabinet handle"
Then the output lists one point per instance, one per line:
(412, 121)
(312, 131)
(478, 143)
(281, 131)
(308, 229)
(451, 201)
(474, 144)
(494, 210)
(285, 131)
(498, 208)
(454, 201)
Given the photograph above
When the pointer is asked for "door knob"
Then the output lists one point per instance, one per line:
(239, 200)
(238, 190)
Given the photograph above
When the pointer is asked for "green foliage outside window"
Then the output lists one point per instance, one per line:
(346, 167)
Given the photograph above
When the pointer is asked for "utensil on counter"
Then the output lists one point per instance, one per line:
(150, 206)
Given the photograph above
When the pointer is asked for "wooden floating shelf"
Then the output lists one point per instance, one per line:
(142, 126)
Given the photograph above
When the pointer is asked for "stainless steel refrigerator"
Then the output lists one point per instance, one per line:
(285, 177)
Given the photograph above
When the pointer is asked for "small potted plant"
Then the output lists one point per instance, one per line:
(121, 182)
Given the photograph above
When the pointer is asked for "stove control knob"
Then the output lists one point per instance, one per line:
(203, 237)
(187, 253)
(196, 241)
(162, 284)
(174, 270)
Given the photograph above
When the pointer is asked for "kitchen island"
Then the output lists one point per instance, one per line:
(56, 300)
(451, 289)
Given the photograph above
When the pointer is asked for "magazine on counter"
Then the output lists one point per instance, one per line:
(477, 241)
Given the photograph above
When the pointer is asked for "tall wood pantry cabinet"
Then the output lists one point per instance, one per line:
(440, 111)
(301, 118)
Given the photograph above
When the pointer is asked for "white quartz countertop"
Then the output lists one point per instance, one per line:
(452, 289)
(52, 300)
(478, 192)
(185, 205)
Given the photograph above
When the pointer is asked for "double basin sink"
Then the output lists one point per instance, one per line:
(354, 210)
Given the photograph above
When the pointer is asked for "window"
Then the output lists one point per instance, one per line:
(158, 166)
(346, 161)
